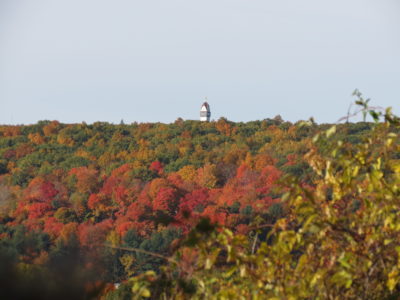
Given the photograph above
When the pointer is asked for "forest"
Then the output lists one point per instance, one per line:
(266, 209)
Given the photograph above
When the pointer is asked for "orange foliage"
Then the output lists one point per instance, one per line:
(51, 128)
(87, 179)
(36, 138)
(11, 131)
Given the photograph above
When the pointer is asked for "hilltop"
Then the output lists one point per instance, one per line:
(80, 187)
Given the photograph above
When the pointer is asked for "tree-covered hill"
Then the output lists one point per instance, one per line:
(92, 192)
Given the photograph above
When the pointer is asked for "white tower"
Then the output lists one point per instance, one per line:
(205, 112)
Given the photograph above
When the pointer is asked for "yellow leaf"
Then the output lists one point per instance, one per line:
(145, 293)
(391, 284)
(330, 131)
(393, 279)
(242, 270)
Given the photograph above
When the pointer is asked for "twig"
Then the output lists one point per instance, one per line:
(253, 248)
(261, 226)
(144, 252)
(357, 112)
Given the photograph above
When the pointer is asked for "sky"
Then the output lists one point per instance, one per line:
(157, 60)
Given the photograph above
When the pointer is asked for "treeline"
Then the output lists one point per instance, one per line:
(92, 191)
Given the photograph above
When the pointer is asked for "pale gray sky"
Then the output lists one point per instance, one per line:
(156, 60)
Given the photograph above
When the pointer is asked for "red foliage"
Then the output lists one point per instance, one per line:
(242, 229)
(94, 235)
(121, 170)
(38, 210)
(48, 191)
(135, 210)
(291, 159)
(93, 201)
(109, 185)
(40, 190)
(156, 166)
(123, 228)
(270, 174)
(176, 180)
(52, 226)
(120, 195)
(193, 202)
(215, 215)
(241, 171)
(166, 199)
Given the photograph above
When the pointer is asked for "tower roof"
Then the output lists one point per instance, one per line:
(206, 105)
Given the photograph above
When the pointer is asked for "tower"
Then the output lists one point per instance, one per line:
(205, 112)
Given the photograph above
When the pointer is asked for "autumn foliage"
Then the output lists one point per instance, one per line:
(99, 189)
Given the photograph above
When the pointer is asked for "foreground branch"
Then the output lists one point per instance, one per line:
(171, 260)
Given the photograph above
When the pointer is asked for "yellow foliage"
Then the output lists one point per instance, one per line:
(188, 173)
(206, 176)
